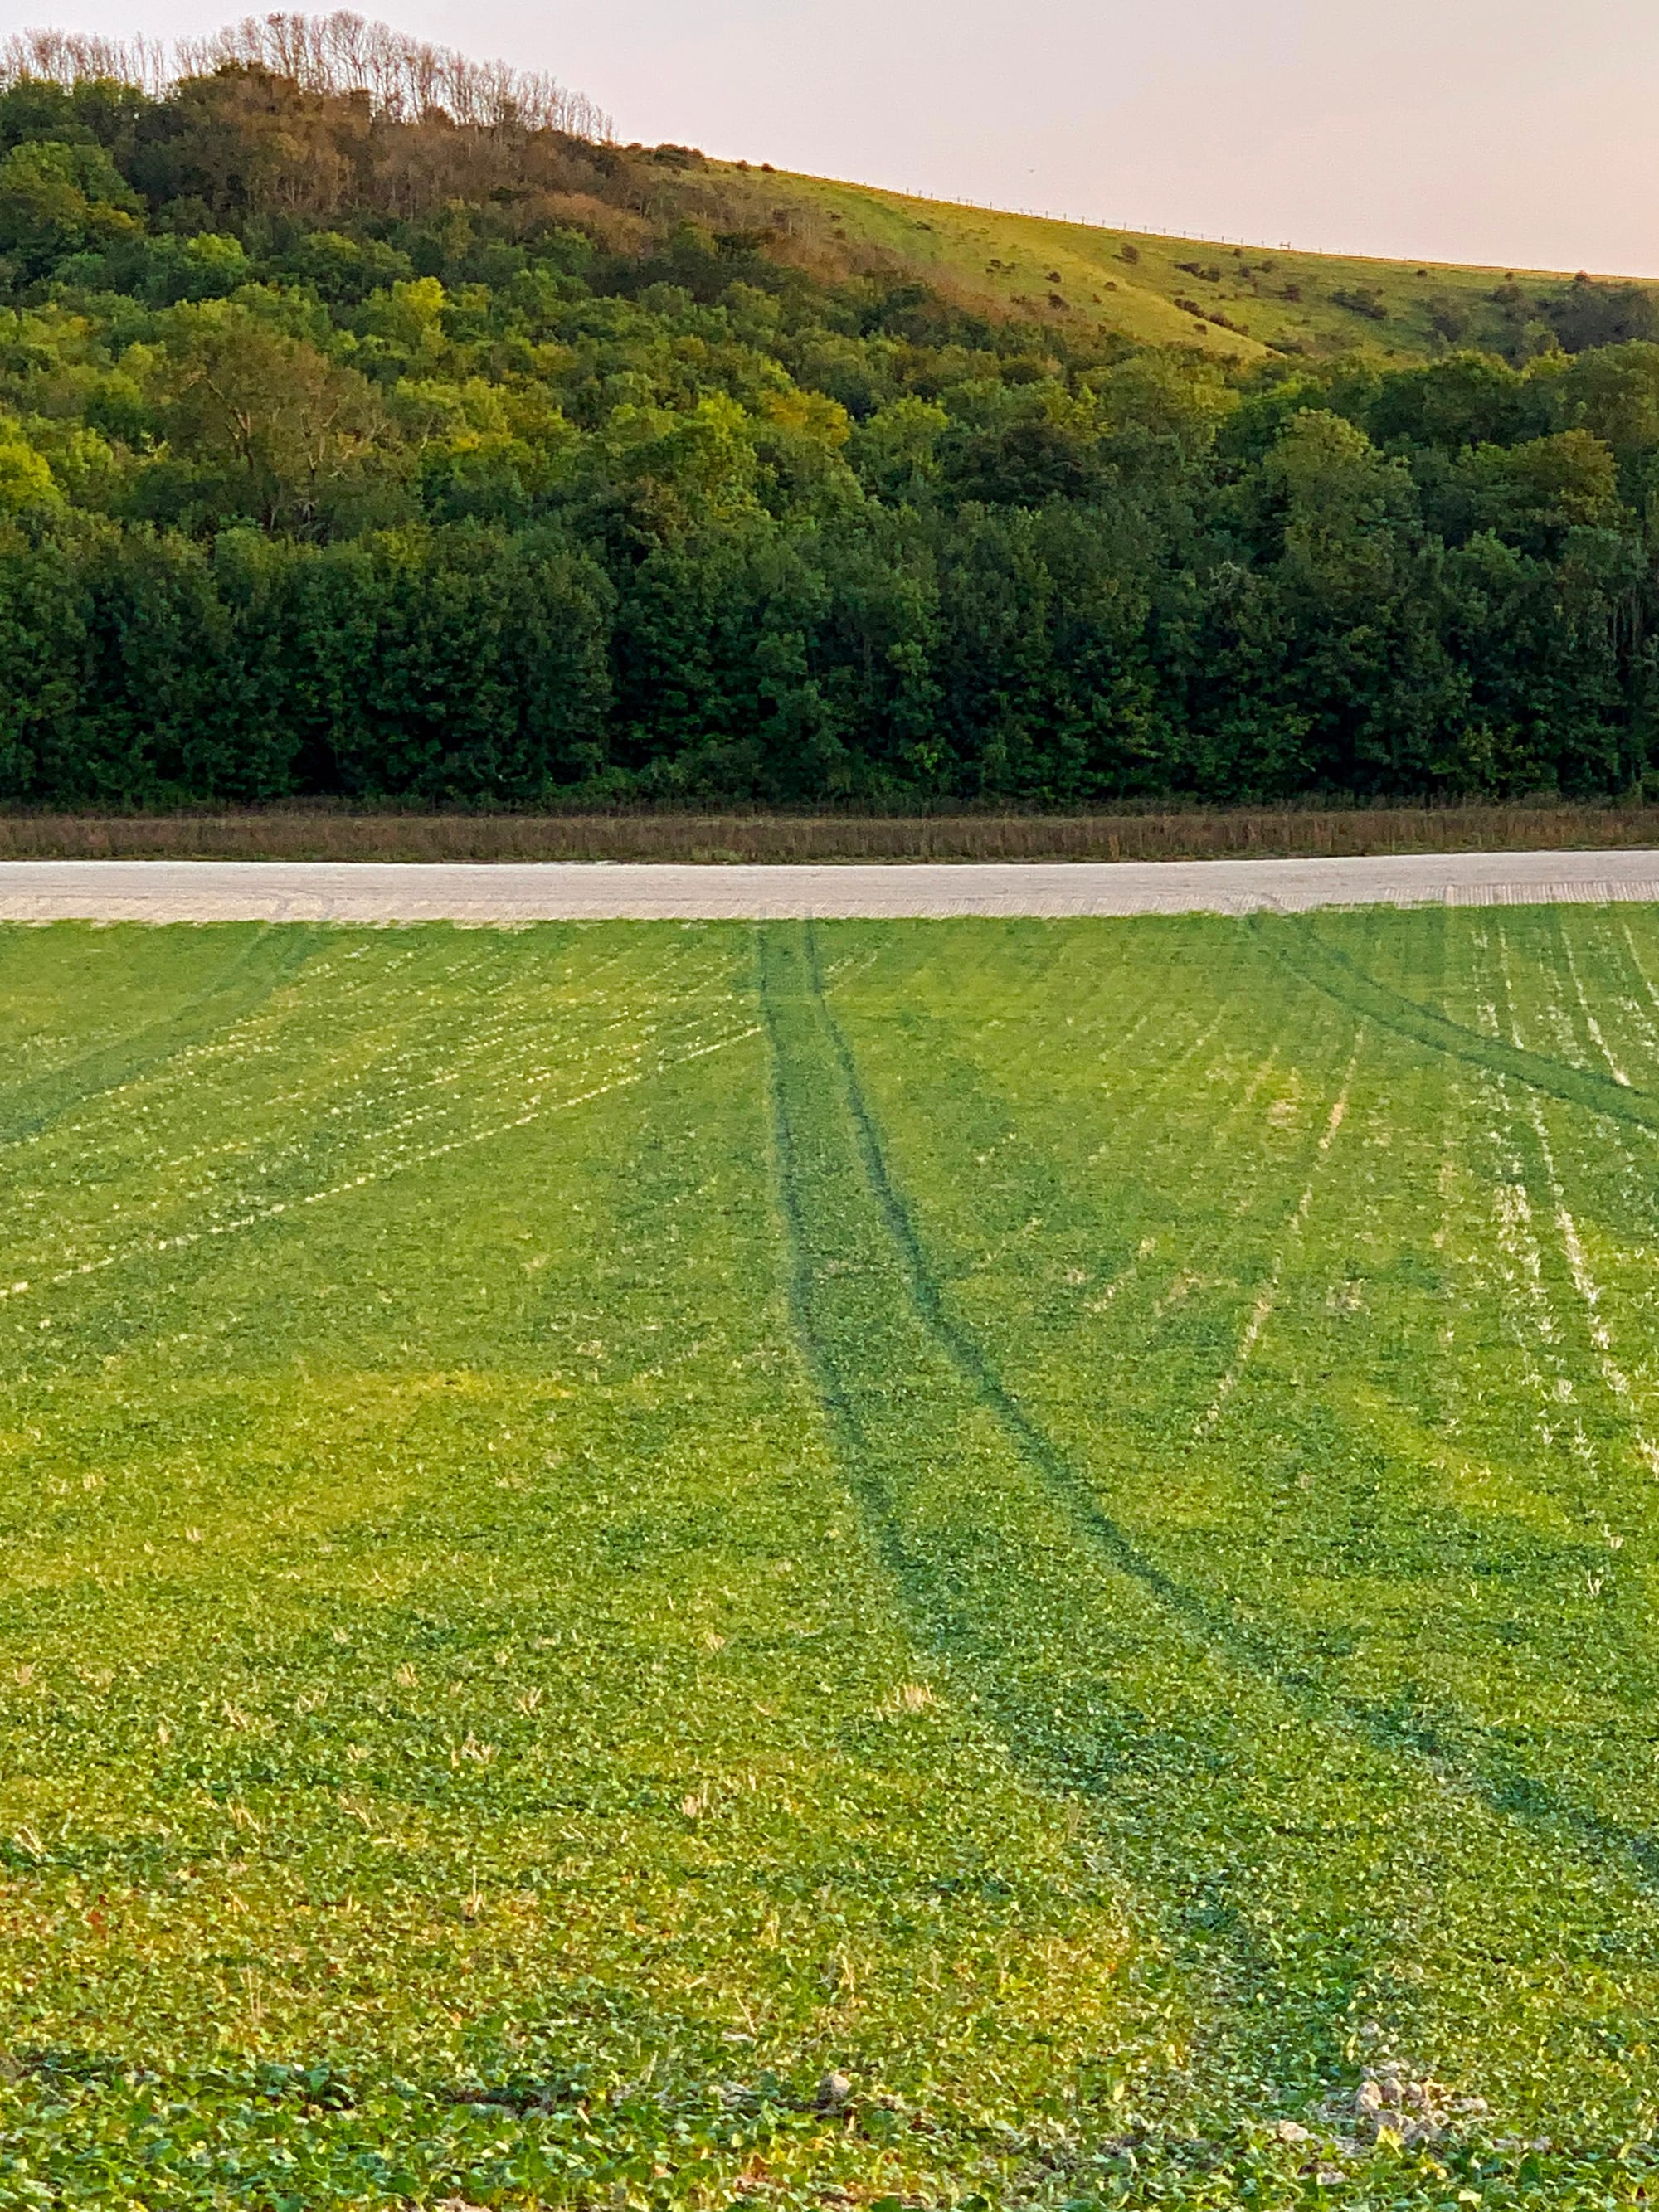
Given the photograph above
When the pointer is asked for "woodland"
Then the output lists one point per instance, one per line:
(401, 437)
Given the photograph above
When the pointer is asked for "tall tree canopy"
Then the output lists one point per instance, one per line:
(371, 427)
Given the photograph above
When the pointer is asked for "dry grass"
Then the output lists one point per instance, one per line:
(326, 834)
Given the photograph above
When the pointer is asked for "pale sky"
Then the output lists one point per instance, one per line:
(1520, 132)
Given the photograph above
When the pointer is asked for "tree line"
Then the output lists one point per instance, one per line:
(354, 444)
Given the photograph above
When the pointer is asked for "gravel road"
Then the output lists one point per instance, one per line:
(562, 890)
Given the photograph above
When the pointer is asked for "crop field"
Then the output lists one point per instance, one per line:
(946, 1563)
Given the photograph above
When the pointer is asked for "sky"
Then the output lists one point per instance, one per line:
(1524, 133)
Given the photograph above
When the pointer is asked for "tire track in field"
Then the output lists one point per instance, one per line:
(538, 1109)
(1140, 1707)
(372, 1121)
(1614, 1096)
(226, 999)
(1583, 1280)
(812, 1169)
(1329, 970)
(1506, 1792)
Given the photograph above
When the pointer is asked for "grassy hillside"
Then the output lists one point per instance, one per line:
(1234, 300)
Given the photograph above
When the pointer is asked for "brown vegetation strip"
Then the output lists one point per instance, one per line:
(1178, 835)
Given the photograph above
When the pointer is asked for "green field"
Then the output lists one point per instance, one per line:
(601, 1522)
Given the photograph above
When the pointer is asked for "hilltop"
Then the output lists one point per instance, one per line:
(313, 119)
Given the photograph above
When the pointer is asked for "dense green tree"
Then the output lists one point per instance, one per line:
(58, 199)
(459, 458)
(1592, 314)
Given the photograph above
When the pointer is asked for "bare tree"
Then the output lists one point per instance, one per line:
(342, 54)
(74, 58)
(404, 78)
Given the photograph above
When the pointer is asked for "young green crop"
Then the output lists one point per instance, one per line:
(603, 1525)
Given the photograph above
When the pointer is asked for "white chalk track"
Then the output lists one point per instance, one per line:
(562, 890)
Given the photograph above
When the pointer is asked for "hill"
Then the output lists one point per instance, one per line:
(483, 130)
(373, 427)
